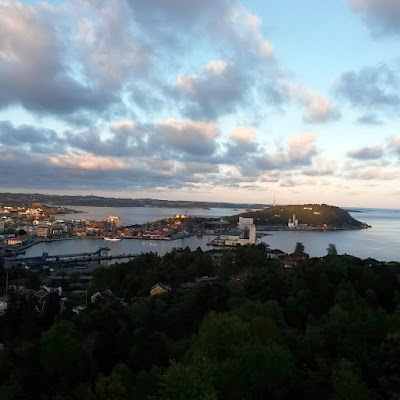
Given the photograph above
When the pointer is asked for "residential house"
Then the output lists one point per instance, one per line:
(159, 288)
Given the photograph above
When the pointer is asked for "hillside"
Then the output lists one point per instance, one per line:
(23, 199)
(314, 215)
(326, 329)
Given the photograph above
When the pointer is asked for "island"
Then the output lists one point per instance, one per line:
(302, 217)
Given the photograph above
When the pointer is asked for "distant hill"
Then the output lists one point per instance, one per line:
(23, 199)
(314, 215)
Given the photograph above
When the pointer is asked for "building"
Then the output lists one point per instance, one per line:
(293, 259)
(293, 223)
(275, 254)
(246, 234)
(114, 222)
(14, 241)
(159, 288)
(43, 231)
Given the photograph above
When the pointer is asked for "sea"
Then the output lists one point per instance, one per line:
(381, 241)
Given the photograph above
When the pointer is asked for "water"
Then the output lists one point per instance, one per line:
(125, 246)
(382, 241)
(140, 215)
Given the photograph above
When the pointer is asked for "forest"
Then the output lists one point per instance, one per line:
(327, 328)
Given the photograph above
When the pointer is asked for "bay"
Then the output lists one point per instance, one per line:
(381, 242)
(141, 215)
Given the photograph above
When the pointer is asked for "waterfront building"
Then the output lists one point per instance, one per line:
(114, 222)
(43, 231)
(293, 223)
(14, 240)
(246, 234)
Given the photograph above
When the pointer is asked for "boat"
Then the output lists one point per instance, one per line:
(110, 239)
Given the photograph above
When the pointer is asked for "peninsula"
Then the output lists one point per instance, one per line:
(22, 199)
(306, 216)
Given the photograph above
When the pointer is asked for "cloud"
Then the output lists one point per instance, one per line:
(88, 161)
(123, 141)
(236, 28)
(109, 48)
(189, 137)
(127, 127)
(370, 88)
(242, 142)
(299, 151)
(316, 108)
(216, 90)
(242, 134)
(29, 137)
(382, 16)
(321, 168)
(369, 119)
(394, 144)
(34, 68)
(366, 153)
(301, 146)
(375, 173)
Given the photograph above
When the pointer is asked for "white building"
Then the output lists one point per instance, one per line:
(293, 223)
(247, 234)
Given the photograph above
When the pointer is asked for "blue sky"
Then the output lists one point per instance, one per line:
(219, 100)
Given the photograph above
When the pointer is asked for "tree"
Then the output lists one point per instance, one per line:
(299, 248)
(331, 250)
(192, 381)
(60, 351)
(109, 387)
(220, 334)
(347, 383)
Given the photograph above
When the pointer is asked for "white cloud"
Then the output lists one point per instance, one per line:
(375, 173)
(88, 161)
(394, 144)
(242, 134)
(128, 127)
(301, 146)
(316, 108)
(193, 137)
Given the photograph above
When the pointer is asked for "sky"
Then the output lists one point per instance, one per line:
(219, 100)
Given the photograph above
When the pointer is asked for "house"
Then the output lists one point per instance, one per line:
(293, 259)
(300, 255)
(275, 254)
(289, 262)
(103, 295)
(48, 294)
(159, 288)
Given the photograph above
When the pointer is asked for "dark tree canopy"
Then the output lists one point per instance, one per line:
(331, 250)
(327, 328)
(299, 248)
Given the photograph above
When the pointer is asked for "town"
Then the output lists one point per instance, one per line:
(24, 227)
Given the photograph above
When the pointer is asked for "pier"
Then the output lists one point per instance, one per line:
(66, 260)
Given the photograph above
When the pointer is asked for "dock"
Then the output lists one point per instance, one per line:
(67, 260)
